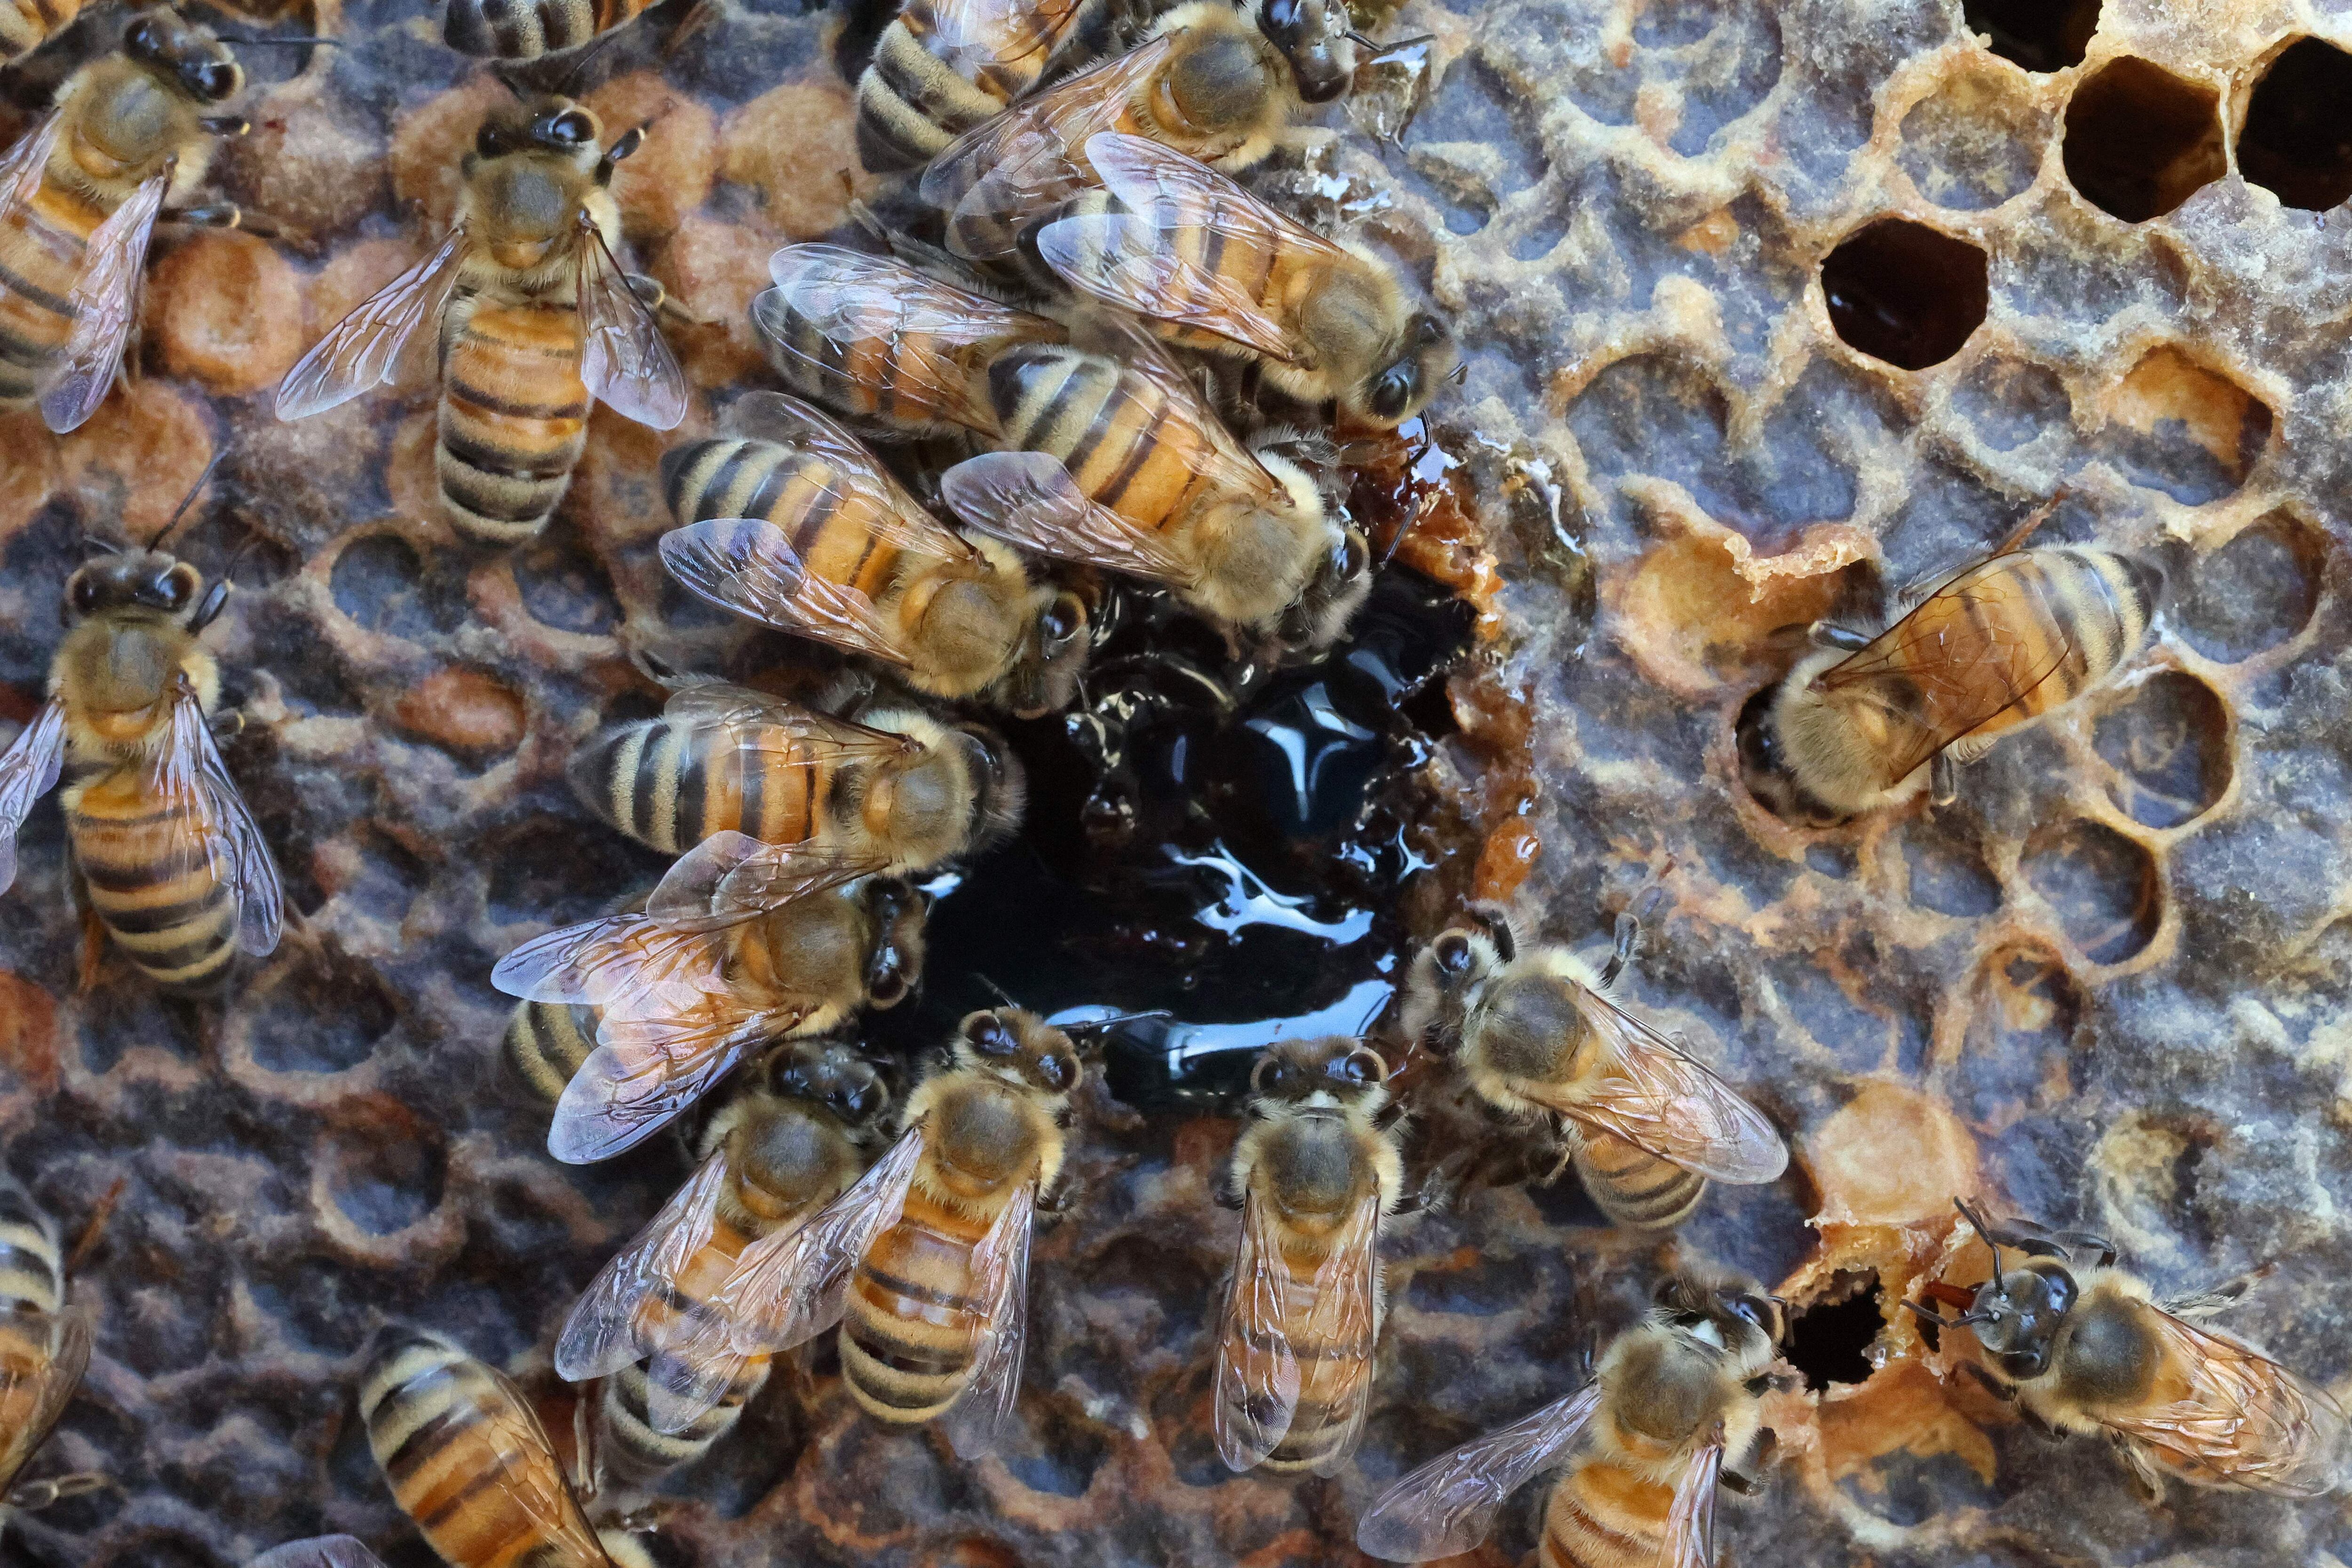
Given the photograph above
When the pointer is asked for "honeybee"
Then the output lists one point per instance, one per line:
(771, 1158)
(1315, 1172)
(168, 856)
(794, 523)
(1207, 265)
(534, 319)
(941, 66)
(1861, 724)
(673, 1000)
(855, 946)
(1208, 83)
(928, 1254)
(44, 1347)
(1539, 1033)
(1122, 468)
(1670, 1412)
(469, 1461)
(80, 196)
(2085, 1347)
(511, 30)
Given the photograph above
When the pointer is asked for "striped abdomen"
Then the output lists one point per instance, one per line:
(43, 246)
(25, 24)
(1601, 1516)
(1331, 1373)
(1634, 1187)
(32, 1271)
(915, 1315)
(142, 863)
(672, 785)
(514, 418)
(1129, 446)
(1266, 273)
(469, 1461)
(513, 30)
(831, 526)
(546, 1041)
(908, 380)
(923, 91)
(633, 1449)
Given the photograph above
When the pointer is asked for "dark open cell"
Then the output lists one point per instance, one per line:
(2040, 35)
(2103, 887)
(1829, 1341)
(2297, 141)
(384, 1179)
(2255, 592)
(2169, 748)
(563, 586)
(2140, 141)
(1902, 292)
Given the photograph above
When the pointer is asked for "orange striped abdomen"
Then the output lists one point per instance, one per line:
(43, 246)
(516, 30)
(1634, 1187)
(1331, 1374)
(673, 785)
(634, 1449)
(25, 24)
(1601, 1516)
(915, 1315)
(514, 418)
(1130, 448)
(832, 528)
(143, 866)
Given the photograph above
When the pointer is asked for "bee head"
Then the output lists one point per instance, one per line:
(140, 582)
(831, 1074)
(1054, 653)
(1765, 767)
(1731, 1313)
(1018, 1047)
(1218, 77)
(1446, 975)
(1341, 1068)
(1342, 580)
(1313, 37)
(549, 125)
(1402, 387)
(186, 55)
(894, 966)
(1000, 786)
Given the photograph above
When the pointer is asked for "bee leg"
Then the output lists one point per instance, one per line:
(216, 600)
(40, 1494)
(2147, 1480)
(93, 950)
(1227, 1195)
(1990, 1383)
(1490, 919)
(1943, 779)
(697, 17)
(228, 725)
(2221, 1297)
(1821, 633)
(1629, 937)
(1063, 1195)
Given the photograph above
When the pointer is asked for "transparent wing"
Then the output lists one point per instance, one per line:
(1667, 1103)
(601, 1335)
(749, 567)
(33, 1398)
(687, 1378)
(645, 1070)
(850, 474)
(1448, 1506)
(22, 166)
(799, 729)
(791, 1286)
(1220, 459)
(1032, 156)
(527, 1474)
(322, 1551)
(28, 770)
(105, 303)
(2243, 1420)
(728, 875)
(1028, 498)
(628, 966)
(1000, 1272)
(1690, 1519)
(1258, 1371)
(1345, 1317)
(364, 349)
(188, 767)
(975, 36)
(623, 357)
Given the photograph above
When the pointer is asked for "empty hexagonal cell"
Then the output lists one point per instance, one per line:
(2296, 142)
(2140, 141)
(2017, 1055)
(382, 1168)
(2168, 742)
(2040, 35)
(1973, 143)
(1902, 292)
(2176, 426)
(2255, 592)
(2103, 887)
(2008, 402)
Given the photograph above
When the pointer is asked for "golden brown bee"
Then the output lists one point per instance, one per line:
(1859, 724)
(1539, 1033)
(469, 1461)
(166, 853)
(794, 523)
(26, 25)
(44, 1346)
(1121, 466)
(944, 66)
(510, 30)
(79, 200)
(773, 1157)
(1672, 1407)
(673, 1000)
(2084, 1347)
(1205, 264)
(928, 1254)
(1315, 1172)
(533, 316)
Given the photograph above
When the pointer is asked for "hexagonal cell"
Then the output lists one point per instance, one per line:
(2103, 887)
(2140, 141)
(2256, 592)
(2175, 425)
(2296, 142)
(1973, 143)
(2168, 744)
(383, 1168)
(2040, 35)
(1903, 293)
(2008, 402)
(2016, 1055)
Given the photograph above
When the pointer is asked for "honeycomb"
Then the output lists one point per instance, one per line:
(1771, 307)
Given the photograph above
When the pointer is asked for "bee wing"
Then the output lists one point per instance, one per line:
(1258, 1371)
(1032, 156)
(1345, 1314)
(188, 767)
(729, 875)
(43, 1390)
(1222, 458)
(999, 1272)
(1689, 1540)
(687, 1378)
(28, 770)
(319, 1551)
(1668, 1102)
(363, 350)
(627, 965)
(719, 704)
(105, 303)
(974, 36)
(856, 476)
(749, 565)
(601, 1335)
(529, 1477)
(623, 357)
(2244, 1420)
(789, 1286)
(1028, 498)
(23, 165)
(1446, 1507)
(646, 1069)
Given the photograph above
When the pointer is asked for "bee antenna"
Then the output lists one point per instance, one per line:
(1460, 373)
(572, 77)
(1378, 1008)
(1001, 994)
(92, 544)
(1361, 41)
(286, 43)
(186, 501)
(1977, 1223)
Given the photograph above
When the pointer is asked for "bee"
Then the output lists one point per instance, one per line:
(79, 198)
(1209, 83)
(510, 30)
(1207, 265)
(469, 1461)
(1541, 1033)
(925, 1262)
(1672, 1409)
(26, 28)
(1315, 1172)
(2082, 1346)
(1861, 724)
(1121, 466)
(44, 1347)
(168, 856)
(941, 66)
(534, 318)
(671, 1002)
(794, 523)
(771, 1158)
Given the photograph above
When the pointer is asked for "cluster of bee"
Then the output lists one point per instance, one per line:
(1091, 228)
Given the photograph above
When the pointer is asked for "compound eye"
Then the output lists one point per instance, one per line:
(1359, 1067)
(793, 1081)
(82, 593)
(887, 989)
(1392, 394)
(212, 80)
(144, 39)
(1747, 1308)
(491, 141)
(1283, 20)
(854, 1102)
(1452, 953)
(1355, 556)
(179, 586)
(1269, 1075)
(1061, 622)
(572, 127)
(1058, 1070)
(989, 1036)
